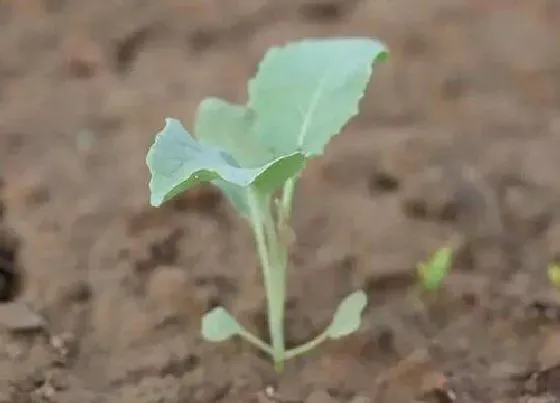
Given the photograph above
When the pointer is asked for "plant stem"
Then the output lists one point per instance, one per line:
(272, 257)
(304, 348)
(287, 197)
(255, 341)
(278, 255)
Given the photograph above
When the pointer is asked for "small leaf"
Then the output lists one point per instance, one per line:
(554, 274)
(347, 317)
(218, 325)
(178, 162)
(305, 92)
(433, 272)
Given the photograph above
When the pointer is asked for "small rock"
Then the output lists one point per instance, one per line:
(62, 343)
(17, 317)
(549, 354)
(320, 396)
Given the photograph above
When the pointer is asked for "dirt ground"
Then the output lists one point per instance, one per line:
(457, 141)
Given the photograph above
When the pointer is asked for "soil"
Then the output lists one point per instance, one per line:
(457, 143)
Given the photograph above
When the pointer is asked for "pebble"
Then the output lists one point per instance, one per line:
(549, 353)
(18, 317)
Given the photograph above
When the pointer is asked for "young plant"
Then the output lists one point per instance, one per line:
(554, 274)
(303, 94)
(432, 272)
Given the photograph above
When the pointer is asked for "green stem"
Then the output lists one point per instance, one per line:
(273, 266)
(287, 197)
(254, 340)
(304, 348)
(278, 288)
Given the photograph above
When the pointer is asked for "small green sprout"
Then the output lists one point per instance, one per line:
(432, 272)
(554, 274)
(303, 94)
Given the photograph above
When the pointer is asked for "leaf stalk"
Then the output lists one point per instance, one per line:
(273, 258)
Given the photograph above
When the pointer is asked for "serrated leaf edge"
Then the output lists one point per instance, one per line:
(380, 57)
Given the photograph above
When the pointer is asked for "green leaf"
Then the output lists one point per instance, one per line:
(305, 92)
(226, 125)
(178, 162)
(347, 317)
(229, 127)
(433, 272)
(279, 172)
(218, 325)
(236, 195)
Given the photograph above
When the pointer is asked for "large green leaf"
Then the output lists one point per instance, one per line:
(178, 162)
(230, 127)
(305, 92)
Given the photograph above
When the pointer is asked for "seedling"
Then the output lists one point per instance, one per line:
(303, 94)
(432, 272)
(554, 274)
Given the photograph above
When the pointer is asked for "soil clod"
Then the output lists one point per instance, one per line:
(18, 318)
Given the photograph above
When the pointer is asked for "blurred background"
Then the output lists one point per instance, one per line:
(456, 144)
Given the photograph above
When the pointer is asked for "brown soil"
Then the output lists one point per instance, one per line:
(457, 142)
